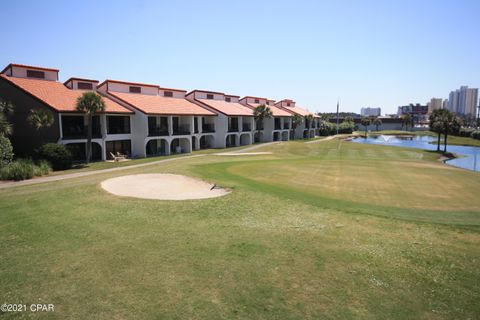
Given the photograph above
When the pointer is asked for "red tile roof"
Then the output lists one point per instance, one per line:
(228, 108)
(298, 110)
(26, 66)
(57, 96)
(277, 112)
(151, 104)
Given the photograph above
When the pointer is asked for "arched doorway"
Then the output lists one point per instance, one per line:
(231, 140)
(156, 147)
(258, 136)
(284, 135)
(276, 136)
(79, 151)
(180, 145)
(245, 139)
(207, 142)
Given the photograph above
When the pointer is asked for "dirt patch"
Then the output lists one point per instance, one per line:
(162, 187)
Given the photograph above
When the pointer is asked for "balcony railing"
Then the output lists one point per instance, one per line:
(246, 127)
(286, 126)
(154, 132)
(181, 130)
(232, 129)
(278, 127)
(80, 136)
(208, 128)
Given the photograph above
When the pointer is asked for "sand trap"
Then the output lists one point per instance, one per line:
(161, 187)
(241, 153)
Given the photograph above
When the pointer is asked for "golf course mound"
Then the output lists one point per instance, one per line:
(162, 187)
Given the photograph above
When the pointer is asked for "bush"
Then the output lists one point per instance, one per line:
(6, 151)
(18, 170)
(476, 134)
(465, 132)
(23, 169)
(57, 154)
(43, 168)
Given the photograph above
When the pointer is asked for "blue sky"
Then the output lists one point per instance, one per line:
(365, 53)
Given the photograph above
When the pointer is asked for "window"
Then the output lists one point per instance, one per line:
(228, 99)
(84, 86)
(168, 94)
(35, 74)
(257, 101)
(209, 96)
(288, 104)
(135, 89)
(118, 124)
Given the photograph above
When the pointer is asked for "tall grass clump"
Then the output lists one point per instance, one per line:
(23, 169)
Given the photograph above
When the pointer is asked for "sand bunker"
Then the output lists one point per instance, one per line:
(162, 187)
(241, 153)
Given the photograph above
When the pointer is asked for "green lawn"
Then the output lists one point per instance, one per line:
(328, 230)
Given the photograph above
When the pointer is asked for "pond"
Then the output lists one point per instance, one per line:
(470, 156)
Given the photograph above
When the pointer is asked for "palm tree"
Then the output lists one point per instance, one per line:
(40, 118)
(296, 121)
(366, 121)
(6, 108)
(407, 120)
(444, 122)
(261, 113)
(308, 121)
(90, 103)
(377, 122)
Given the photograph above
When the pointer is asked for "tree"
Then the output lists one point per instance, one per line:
(6, 108)
(366, 121)
(407, 120)
(377, 122)
(90, 103)
(308, 121)
(296, 121)
(261, 113)
(40, 118)
(349, 119)
(444, 122)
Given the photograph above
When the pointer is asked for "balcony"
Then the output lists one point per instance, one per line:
(181, 130)
(232, 129)
(206, 128)
(157, 131)
(246, 127)
(286, 126)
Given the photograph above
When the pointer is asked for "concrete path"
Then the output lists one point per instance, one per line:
(324, 139)
(248, 149)
(11, 184)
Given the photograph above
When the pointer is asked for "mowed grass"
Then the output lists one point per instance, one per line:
(329, 230)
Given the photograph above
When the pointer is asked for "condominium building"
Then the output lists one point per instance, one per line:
(463, 101)
(276, 128)
(434, 104)
(371, 112)
(140, 119)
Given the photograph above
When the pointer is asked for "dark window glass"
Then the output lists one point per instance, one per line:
(228, 99)
(120, 146)
(85, 86)
(35, 74)
(168, 94)
(135, 89)
(288, 104)
(209, 96)
(118, 124)
(257, 101)
(74, 127)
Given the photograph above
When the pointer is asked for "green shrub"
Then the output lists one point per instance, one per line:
(18, 170)
(58, 155)
(42, 168)
(476, 134)
(23, 169)
(6, 151)
(465, 132)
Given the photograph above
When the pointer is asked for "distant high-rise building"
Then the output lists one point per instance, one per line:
(371, 112)
(435, 104)
(445, 104)
(417, 111)
(463, 101)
